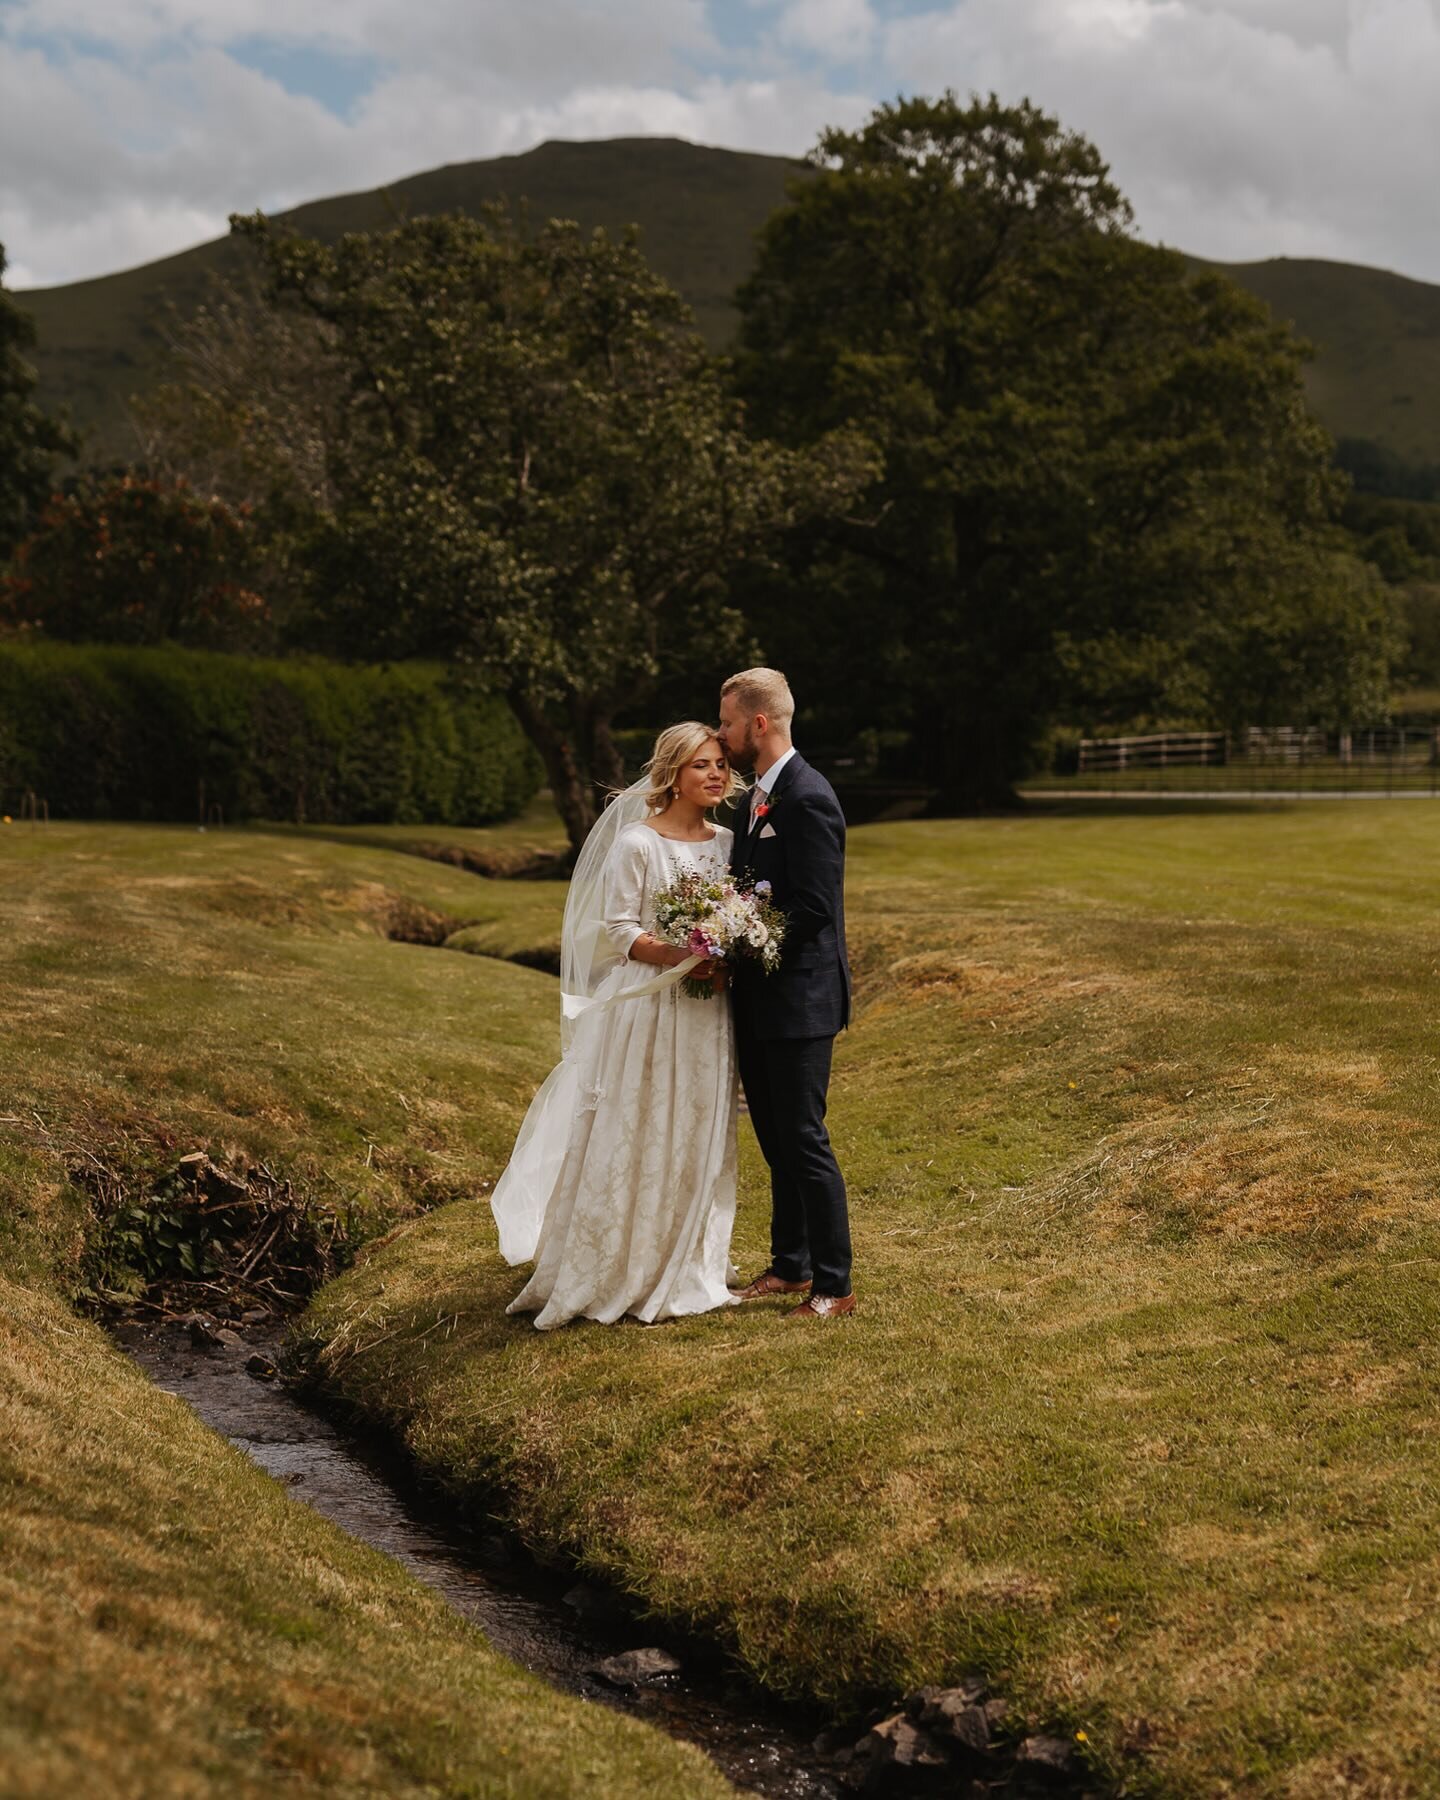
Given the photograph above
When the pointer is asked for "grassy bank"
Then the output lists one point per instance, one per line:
(535, 836)
(1141, 1124)
(171, 1623)
(1412, 775)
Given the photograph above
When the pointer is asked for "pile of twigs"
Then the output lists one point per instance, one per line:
(199, 1235)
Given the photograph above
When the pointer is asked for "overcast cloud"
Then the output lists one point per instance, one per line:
(1239, 128)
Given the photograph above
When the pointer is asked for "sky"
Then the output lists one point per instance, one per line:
(1239, 129)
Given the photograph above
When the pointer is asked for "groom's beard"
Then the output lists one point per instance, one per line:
(743, 758)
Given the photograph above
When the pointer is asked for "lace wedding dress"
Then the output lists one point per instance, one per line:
(621, 1188)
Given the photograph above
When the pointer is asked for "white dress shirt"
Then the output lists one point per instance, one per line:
(766, 782)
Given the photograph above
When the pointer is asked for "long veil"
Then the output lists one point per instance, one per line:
(586, 958)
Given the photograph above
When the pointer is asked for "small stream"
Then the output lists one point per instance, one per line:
(520, 1607)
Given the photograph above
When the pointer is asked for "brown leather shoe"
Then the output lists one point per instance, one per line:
(763, 1287)
(824, 1306)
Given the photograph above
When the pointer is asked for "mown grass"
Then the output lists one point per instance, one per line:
(510, 846)
(1140, 1119)
(171, 1623)
(1412, 774)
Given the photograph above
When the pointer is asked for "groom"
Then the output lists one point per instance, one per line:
(790, 832)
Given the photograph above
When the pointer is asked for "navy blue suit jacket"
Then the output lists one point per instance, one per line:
(803, 859)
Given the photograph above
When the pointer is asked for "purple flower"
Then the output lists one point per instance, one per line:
(763, 887)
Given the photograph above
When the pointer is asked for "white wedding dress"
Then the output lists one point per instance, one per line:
(621, 1188)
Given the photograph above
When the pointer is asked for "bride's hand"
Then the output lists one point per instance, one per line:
(713, 970)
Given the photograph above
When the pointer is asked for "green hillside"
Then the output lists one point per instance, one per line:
(1377, 375)
(697, 209)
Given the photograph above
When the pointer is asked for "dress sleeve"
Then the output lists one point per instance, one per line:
(624, 895)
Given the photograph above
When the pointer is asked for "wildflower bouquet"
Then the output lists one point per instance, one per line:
(720, 919)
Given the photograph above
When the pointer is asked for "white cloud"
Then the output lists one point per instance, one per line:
(837, 31)
(1233, 136)
(1239, 128)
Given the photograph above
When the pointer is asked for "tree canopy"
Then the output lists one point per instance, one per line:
(536, 468)
(30, 440)
(1102, 494)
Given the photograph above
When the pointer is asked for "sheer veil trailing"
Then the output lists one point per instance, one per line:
(587, 959)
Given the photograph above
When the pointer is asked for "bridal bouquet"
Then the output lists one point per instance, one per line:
(721, 920)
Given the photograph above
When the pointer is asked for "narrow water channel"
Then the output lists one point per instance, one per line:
(521, 1608)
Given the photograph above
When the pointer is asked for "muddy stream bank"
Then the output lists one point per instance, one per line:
(561, 1629)
(522, 1608)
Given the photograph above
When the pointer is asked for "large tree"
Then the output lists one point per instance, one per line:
(536, 468)
(29, 439)
(1099, 477)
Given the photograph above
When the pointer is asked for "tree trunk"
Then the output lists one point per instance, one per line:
(606, 763)
(572, 792)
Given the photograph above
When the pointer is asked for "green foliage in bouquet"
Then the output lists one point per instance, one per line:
(722, 921)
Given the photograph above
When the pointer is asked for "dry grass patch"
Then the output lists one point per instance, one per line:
(1137, 1415)
(1139, 1119)
(172, 1624)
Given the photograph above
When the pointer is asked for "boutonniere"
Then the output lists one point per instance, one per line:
(763, 807)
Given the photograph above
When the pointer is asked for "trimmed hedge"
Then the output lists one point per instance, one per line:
(107, 732)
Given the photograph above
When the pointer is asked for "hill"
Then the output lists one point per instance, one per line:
(1376, 376)
(1377, 372)
(697, 208)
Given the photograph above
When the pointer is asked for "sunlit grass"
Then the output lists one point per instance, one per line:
(536, 832)
(172, 1624)
(1140, 1121)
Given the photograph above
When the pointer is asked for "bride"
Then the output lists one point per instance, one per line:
(621, 1186)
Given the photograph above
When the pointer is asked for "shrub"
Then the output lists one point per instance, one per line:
(131, 560)
(110, 732)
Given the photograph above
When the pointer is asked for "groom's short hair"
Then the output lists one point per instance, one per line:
(763, 691)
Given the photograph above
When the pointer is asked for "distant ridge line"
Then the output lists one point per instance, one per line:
(1376, 375)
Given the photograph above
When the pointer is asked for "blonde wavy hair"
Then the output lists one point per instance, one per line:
(673, 749)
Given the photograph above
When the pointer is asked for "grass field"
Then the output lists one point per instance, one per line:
(172, 1625)
(1141, 1124)
(1326, 776)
